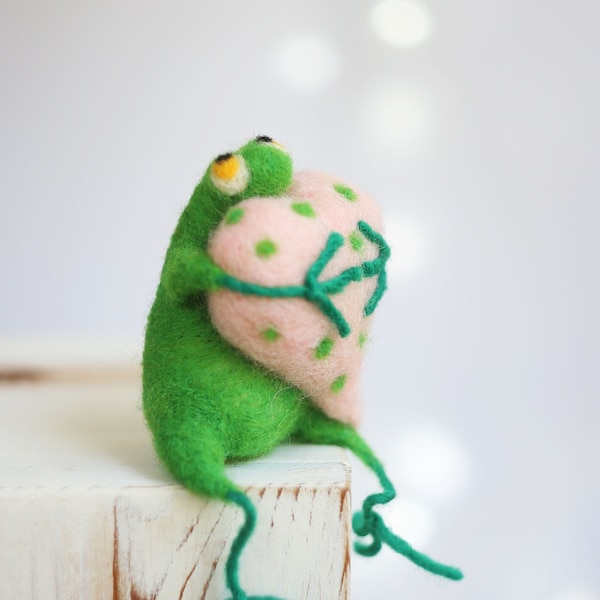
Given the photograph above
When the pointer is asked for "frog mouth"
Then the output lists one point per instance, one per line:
(319, 292)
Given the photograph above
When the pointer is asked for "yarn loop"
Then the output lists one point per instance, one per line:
(367, 522)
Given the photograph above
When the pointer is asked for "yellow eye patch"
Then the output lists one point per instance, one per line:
(229, 174)
(226, 168)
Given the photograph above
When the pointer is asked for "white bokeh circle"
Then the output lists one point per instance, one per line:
(435, 465)
(402, 22)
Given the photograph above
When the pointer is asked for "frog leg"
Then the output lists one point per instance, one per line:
(317, 428)
(194, 455)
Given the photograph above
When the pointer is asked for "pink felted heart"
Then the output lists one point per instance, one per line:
(272, 243)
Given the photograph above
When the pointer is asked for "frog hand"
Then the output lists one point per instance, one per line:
(189, 270)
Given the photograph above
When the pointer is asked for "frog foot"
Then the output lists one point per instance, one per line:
(368, 522)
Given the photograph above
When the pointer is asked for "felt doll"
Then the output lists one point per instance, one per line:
(258, 328)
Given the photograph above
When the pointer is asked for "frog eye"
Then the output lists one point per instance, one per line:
(229, 174)
(265, 139)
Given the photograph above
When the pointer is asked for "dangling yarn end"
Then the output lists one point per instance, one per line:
(368, 522)
(245, 533)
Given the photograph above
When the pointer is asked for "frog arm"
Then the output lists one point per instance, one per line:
(317, 428)
(189, 270)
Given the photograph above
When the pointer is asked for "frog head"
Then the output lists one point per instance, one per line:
(261, 167)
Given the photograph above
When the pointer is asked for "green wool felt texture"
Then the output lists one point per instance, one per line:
(204, 401)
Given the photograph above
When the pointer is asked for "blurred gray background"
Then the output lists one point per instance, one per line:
(474, 123)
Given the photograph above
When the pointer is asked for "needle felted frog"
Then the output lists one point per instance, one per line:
(257, 331)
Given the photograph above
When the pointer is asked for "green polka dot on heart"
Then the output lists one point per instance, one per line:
(271, 334)
(265, 248)
(338, 384)
(323, 350)
(356, 241)
(304, 209)
(234, 215)
(345, 191)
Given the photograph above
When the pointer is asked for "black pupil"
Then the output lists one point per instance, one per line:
(223, 157)
(263, 139)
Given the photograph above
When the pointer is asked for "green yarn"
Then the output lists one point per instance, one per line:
(319, 430)
(367, 522)
(316, 291)
(254, 289)
(232, 565)
(304, 209)
(265, 248)
(313, 290)
(362, 339)
(375, 267)
(345, 191)
(323, 350)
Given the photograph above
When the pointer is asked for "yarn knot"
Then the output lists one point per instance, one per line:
(368, 522)
(364, 524)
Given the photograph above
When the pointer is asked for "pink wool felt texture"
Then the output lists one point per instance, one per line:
(273, 242)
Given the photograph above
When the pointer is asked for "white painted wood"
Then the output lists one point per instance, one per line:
(87, 511)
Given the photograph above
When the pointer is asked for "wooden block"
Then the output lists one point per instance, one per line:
(87, 511)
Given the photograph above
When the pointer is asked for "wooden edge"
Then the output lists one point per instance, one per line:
(39, 375)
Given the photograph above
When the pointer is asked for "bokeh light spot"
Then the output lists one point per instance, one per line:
(435, 465)
(410, 520)
(402, 22)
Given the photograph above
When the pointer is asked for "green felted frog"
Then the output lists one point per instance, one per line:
(258, 328)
